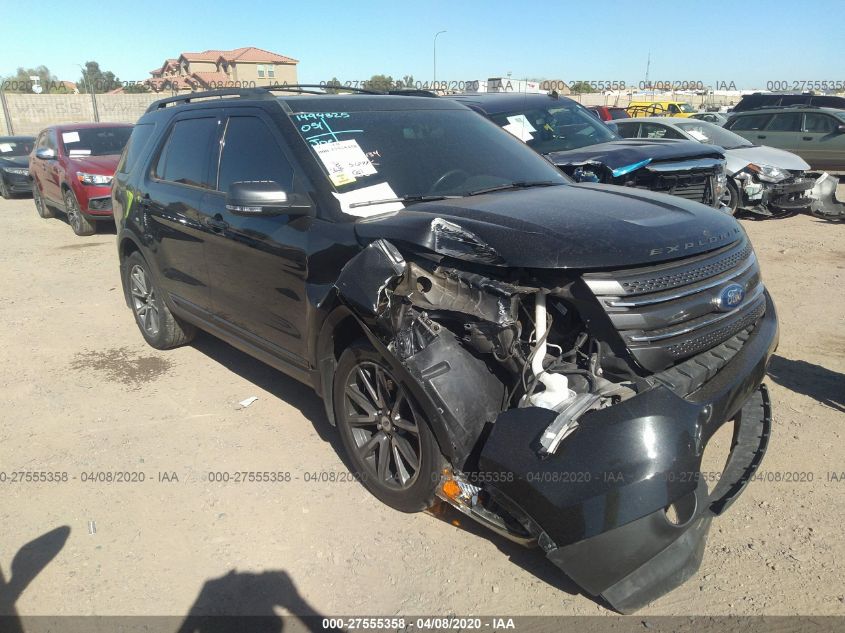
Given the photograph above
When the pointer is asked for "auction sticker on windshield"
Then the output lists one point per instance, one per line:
(70, 137)
(345, 161)
(519, 126)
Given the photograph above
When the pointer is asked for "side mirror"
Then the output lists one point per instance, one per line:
(840, 129)
(45, 153)
(264, 197)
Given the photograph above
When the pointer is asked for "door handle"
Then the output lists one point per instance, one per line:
(216, 223)
(807, 138)
(761, 136)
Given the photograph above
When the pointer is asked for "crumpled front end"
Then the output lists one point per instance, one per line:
(765, 197)
(574, 408)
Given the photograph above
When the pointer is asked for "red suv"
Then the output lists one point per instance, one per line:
(72, 167)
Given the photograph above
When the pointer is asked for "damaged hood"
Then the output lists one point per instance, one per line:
(584, 226)
(625, 152)
(738, 158)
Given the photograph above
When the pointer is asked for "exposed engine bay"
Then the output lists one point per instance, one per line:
(512, 344)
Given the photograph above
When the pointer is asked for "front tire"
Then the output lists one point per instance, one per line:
(4, 189)
(387, 440)
(730, 196)
(81, 225)
(158, 326)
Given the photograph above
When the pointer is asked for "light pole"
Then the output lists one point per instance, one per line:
(435, 56)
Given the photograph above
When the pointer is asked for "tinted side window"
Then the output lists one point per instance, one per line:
(819, 123)
(751, 122)
(184, 158)
(628, 130)
(787, 122)
(137, 142)
(655, 130)
(251, 153)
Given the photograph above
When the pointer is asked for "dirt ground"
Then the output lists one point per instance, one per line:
(82, 393)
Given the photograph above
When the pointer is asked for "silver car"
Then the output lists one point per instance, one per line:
(716, 118)
(762, 180)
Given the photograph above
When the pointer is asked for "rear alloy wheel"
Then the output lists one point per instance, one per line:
(78, 222)
(385, 435)
(157, 324)
(40, 206)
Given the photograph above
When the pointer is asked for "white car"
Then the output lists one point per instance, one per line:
(763, 180)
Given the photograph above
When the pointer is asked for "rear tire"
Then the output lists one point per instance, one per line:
(40, 205)
(81, 225)
(389, 444)
(158, 326)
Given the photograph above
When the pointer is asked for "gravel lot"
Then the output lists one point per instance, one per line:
(82, 393)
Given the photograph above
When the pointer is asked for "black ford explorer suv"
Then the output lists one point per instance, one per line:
(569, 135)
(549, 358)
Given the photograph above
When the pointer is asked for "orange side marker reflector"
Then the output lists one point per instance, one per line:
(451, 489)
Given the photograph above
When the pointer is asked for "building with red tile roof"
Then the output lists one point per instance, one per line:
(244, 67)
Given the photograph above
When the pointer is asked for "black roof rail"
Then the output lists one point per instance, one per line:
(259, 93)
(413, 92)
(265, 92)
(782, 107)
(309, 88)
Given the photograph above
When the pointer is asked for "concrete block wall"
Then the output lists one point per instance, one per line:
(31, 113)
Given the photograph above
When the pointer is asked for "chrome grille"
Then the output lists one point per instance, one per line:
(670, 312)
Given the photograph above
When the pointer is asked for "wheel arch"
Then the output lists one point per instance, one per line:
(126, 246)
(342, 328)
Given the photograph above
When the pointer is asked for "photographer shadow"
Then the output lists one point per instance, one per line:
(247, 602)
(30, 561)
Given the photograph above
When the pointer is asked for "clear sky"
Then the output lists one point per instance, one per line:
(748, 42)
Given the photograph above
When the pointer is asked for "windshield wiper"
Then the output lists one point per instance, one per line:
(522, 184)
(406, 199)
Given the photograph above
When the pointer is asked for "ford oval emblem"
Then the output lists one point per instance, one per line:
(729, 297)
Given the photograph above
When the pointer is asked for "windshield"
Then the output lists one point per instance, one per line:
(380, 155)
(706, 132)
(841, 115)
(685, 107)
(556, 128)
(9, 148)
(95, 141)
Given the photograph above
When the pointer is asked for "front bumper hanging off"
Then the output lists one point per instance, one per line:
(622, 506)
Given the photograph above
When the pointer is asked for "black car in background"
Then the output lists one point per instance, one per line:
(774, 99)
(14, 165)
(481, 329)
(573, 138)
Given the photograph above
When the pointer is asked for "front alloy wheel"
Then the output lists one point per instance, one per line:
(384, 425)
(387, 439)
(78, 222)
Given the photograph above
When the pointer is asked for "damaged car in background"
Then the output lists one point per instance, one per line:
(762, 180)
(550, 359)
(586, 149)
